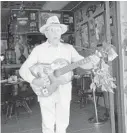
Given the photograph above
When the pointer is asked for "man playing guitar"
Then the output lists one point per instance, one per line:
(48, 69)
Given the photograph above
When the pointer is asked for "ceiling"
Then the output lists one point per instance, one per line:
(6, 7)
(44, 5)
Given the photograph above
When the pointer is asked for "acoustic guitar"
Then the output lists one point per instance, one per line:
(59, 72)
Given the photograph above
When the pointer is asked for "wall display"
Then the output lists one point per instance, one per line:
(90, 10)
(33, 24)
(111, 20)
(33, 16)
(24, 21)
(100, 28)
(34, 40)
(68, 19)
(33, 27)
(84, 14)
(92, 33)
(11, 42)
(43, 16)
(78, 16)
(78, 39)
(68, 38)
(3, 46)
(21, 48)
(85, 35)
(100, 6)
(10, 56)
(76, 20)
(19, 20)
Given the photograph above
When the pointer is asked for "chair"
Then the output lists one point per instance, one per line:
(17, 97)
(4, 101)
(26, 94)
(7, 101)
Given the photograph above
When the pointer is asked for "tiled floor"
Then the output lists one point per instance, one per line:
(78, 121)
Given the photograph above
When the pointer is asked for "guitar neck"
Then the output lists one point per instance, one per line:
(71, 67)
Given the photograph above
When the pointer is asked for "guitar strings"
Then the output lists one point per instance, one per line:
(73, 66)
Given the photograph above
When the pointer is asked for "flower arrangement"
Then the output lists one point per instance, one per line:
(102, 78)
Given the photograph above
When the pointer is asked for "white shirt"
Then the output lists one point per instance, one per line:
(46, 53)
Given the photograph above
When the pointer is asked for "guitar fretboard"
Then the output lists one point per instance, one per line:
(71, 67)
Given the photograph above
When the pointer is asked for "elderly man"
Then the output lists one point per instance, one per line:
(55, 108)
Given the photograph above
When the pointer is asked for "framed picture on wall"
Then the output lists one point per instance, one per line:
(43, 16)
(85, 35)
(100, 29)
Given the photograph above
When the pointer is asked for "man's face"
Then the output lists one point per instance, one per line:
(53, 33)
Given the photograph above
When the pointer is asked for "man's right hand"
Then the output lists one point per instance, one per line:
(41, 81)
(38, 82)
(38, 85)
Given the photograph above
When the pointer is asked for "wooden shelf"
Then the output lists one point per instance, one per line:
(11, 66)
(33, 33)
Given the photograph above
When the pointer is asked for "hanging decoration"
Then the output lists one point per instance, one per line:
(102, 78)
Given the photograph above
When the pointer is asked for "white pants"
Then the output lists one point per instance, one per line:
(54, 114)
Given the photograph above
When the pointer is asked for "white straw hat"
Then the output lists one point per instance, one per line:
(53, 21)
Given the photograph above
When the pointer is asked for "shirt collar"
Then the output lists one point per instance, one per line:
(50, 45)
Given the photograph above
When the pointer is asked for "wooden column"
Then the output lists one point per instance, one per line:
(111, 95)
(120, 80)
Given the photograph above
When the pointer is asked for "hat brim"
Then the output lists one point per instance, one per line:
(62, 26)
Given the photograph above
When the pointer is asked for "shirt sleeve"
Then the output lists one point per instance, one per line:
(91, 60)
(24, 70)
(75, 56)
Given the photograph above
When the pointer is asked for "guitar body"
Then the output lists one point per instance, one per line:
(57, 73)
(50, 81)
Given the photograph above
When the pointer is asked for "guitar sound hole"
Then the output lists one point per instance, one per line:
(56, 73)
